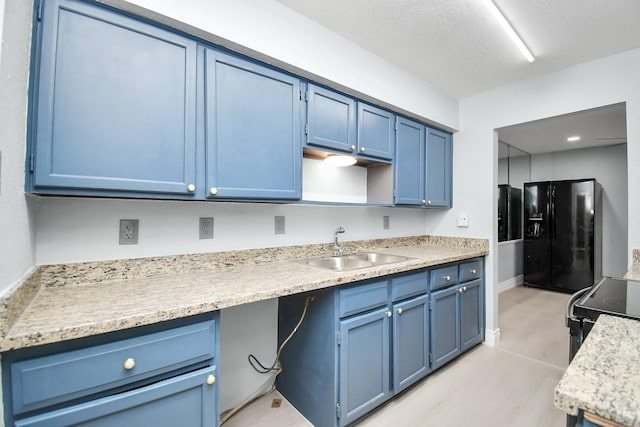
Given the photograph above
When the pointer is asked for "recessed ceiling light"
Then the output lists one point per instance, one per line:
(573, 139)
(509, 30)
(340, 160)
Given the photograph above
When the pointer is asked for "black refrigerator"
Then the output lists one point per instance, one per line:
(562, 234)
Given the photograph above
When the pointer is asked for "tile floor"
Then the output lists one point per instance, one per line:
(509, 385)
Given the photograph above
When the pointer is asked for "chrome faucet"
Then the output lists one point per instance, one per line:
(337, 248)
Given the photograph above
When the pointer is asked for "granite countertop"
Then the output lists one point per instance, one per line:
(63, 302)
(604, 376)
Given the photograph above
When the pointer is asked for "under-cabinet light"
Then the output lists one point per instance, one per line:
(340, 160)
(573, 139)
(509, 29)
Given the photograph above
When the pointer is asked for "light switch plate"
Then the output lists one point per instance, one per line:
(463, 219)
(385, 222)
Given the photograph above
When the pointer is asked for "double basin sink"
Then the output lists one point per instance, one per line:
(354, 261)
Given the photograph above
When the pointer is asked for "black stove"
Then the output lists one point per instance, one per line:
(617, 297)
(613, 296)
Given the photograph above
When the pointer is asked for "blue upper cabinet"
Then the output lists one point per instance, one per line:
(116, 105)
(423, 165)
(331, 120)
(439, 169)
(376, 132)
(253, 147)
(409, 162)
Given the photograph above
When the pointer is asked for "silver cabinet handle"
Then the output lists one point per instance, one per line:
(460, 290)
(399, 310)
(353, 147)
(473, 271)
(191, 188)
(428, 202)
(211, 379)
(389, 314)
(447, 278)
(213, 191)
(362, 149)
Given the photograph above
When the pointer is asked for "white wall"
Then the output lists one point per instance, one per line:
(76, 229)
(603, 82)
(16, 238)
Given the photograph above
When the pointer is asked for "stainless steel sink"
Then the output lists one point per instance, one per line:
(354, 261)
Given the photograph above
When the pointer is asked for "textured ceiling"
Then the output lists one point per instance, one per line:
(458, 47)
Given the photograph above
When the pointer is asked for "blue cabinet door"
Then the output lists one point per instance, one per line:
(410, 342)
(471, 315)
(253, 130)
(363, 364)
(445, 321)
(116, 104)
(376, 133)
(409, 162)
(438, 169)
(331, 120)
(187, 400)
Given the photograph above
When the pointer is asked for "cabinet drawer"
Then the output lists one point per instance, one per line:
(470, 270)
(408, 286)
(61, 377)
(362, 298)
(443, 277)
(185, 400)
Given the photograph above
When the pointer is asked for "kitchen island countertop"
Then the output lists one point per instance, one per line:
(604, 376)
(79, 300)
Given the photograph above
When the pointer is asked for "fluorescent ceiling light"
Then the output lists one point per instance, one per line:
(509, 29)
(340, 160)
(573, 139)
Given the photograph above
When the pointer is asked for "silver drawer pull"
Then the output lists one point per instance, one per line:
(399, 310)
(460, 290)
(389, 314)
(447, 278)
(211, 379)
(473, 271)
(129, 364)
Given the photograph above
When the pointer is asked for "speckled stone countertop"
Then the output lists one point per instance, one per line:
(63, 302)
(604, 376)
(634, 271)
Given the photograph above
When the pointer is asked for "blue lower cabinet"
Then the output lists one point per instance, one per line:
(160, 375)
(410, 342)
(187, 400)
(471, 315)
(363, 364)
(445, 321)
(357, 347)
(457, 313)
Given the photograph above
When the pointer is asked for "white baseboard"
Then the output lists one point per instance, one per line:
(492, 337)
(511, 283)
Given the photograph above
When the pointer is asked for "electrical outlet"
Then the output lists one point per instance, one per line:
(279, 225)
(206, 228)
(385, 222)
(128, 232)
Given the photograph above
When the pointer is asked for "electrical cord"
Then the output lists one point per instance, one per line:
(277, 366)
